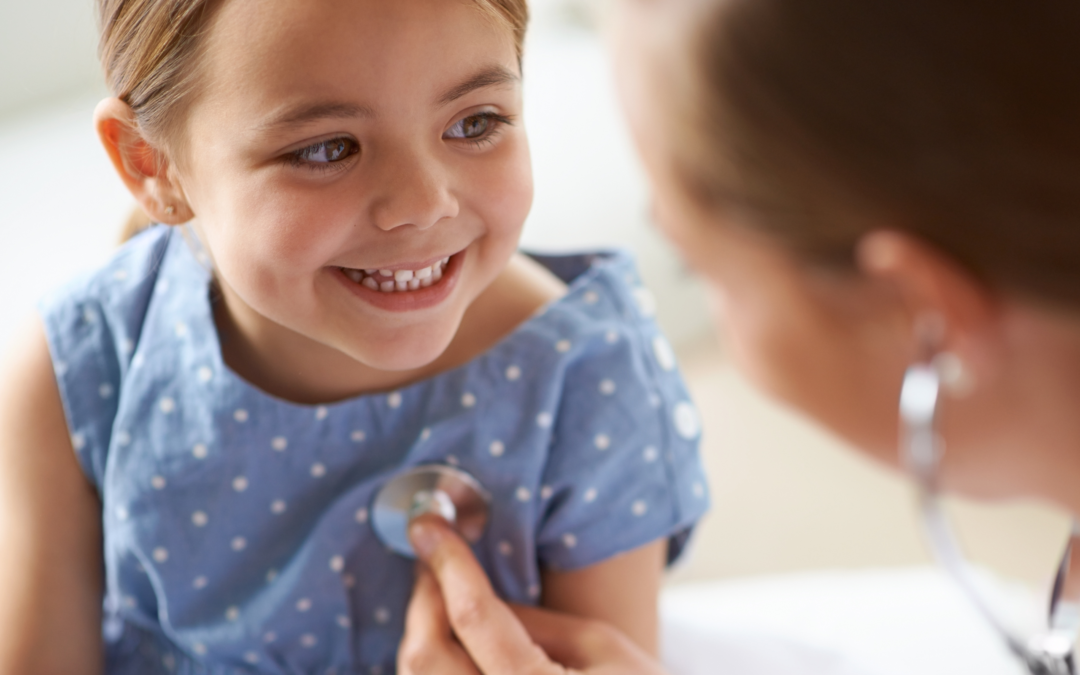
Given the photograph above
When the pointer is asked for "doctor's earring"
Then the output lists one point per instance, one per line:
(955, 376)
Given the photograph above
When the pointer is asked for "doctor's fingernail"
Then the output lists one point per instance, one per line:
(425, 538)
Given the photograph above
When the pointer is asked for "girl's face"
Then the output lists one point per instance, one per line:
(336, 139)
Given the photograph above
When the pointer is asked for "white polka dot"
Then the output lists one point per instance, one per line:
(105, 391)
(162, 286)
(612, 337)
(639, 508)
(181, 330)
(321, 412)
(278, 506)
(167, 405)
(655, 401)
(382, 615)
(318, 470)
(279, 443)
(506, 548)
(523, 494)
(699, 490)
(269, 637)
(607, 387)
(562, 346)
(513, 373)
(394, 399)
(251, 657)
(308, 640)
(375, 670)
(497, 448)
(361, 515)
(303, 604)
(240, 483)
(546, 492)
(590, 297)
(123, 439)
(200, 582)
(468, 400)
(121, 513)
(271, 574)
(120, 275)
(200, 451)
(240, 415)
(452, 460)
(78, 441)
(646, 301)
(337, 563)
(199, 648)
(665, 355)
(343, 621)
(348, 580)
(651, 454)
(205, 374)
(590, 495)
(358, 436)
(169, 661)
(90, 316)
(160, 554)
(200, 519)
(130, 602)
(158, 482)
(239, 543)
(425, 434)
(686, 420)
(544, 420)
(569, 540)
(127, 345)
(61, 368)
(534, 591)
(137, 361)
(602, 442)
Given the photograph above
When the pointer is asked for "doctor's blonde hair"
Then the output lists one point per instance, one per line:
(150, 51)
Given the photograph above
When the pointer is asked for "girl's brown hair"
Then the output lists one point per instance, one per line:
(150, 52)
(958, 120)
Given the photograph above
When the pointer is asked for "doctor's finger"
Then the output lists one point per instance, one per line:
(485, 625)
(429, 645)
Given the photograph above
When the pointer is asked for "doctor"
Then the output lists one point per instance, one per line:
(865, 186)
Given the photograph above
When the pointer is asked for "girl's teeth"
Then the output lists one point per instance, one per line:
(388, 281)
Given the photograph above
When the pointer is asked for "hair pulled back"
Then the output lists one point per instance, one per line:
(957, 120)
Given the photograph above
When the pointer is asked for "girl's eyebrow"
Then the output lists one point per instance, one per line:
(490, 76)
(305, 113)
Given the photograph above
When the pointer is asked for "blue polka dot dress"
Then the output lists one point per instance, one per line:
(237, 536)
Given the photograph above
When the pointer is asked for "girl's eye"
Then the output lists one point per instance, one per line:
(476, 127)
(327, 152)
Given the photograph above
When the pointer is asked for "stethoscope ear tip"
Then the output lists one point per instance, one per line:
(448, 492)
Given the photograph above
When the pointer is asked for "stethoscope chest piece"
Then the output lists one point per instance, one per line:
(445, 491)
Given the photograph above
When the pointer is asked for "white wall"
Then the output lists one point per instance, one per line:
(47, 52)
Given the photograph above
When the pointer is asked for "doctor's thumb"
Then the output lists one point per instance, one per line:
(429, 535)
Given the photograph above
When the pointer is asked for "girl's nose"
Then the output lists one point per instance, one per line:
(415, 190)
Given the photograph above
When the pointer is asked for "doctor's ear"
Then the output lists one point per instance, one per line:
(949, 309)
(145, 169)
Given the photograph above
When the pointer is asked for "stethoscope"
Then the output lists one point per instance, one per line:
(454, 495)
(1047, 653)
(462, 501)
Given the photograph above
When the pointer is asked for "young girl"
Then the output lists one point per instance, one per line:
(195, 433)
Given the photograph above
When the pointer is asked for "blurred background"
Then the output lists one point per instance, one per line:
(788, 498)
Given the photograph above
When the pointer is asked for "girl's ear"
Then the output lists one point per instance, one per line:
(144, 169)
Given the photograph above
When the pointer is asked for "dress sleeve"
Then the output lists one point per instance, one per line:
(623, 469)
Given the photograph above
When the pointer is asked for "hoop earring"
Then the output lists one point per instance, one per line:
(1049, 653)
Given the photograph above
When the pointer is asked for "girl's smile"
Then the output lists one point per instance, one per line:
(406, 287)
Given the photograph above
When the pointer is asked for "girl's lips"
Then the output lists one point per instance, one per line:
(408, 294)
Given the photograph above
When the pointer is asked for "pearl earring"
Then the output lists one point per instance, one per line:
(169, 210)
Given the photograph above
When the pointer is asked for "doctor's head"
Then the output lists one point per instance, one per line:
(859, 182)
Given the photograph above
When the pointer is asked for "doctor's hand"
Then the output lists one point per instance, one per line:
(457, 625)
